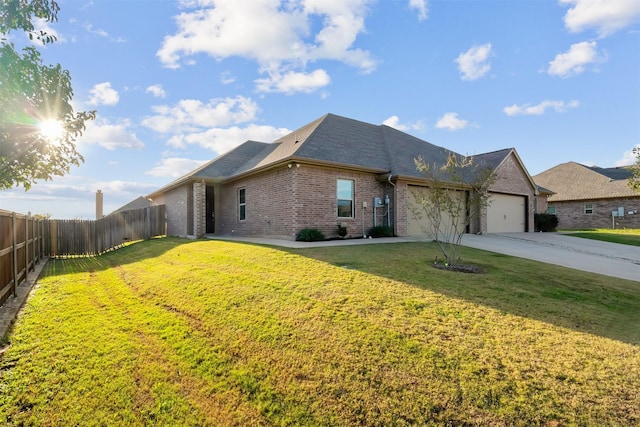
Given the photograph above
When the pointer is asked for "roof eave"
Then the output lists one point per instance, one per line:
(304, 161)
(181, 181)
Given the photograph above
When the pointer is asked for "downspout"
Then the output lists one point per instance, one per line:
(394, 198)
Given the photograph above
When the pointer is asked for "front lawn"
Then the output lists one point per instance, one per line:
(623, 236)
(176, 332)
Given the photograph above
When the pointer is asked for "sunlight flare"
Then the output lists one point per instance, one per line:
(52, 130)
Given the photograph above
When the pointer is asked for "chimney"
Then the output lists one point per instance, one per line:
(99, 204)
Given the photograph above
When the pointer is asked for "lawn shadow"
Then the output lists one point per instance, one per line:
(581, 301)
(127, 254)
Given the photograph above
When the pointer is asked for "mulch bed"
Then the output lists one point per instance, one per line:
(462, 268)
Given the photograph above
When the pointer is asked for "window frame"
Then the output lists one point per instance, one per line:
(351, 200)
(242, 204)
(551, 210)
(588, 209)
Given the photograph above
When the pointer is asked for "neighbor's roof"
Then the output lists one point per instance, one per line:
(137, 203)
(573, 181)
(333, 140)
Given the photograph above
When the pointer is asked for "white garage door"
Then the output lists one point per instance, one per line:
(506, 214)
(418, 222)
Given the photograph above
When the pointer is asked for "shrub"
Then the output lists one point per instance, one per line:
(342, 230)
(310, 235)
(381, 231)
(545, 222)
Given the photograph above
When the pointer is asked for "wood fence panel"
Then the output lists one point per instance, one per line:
(20, 250)
(93, 237)
(25, 240)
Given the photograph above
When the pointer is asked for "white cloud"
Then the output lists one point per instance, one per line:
(226, 77)
(628, 158)
(221, 140)
(110, 135)
(190, 115)
(99, 32)
(73, 196)
(157, 91)
(103, 94)
(575, 60)
(605, 16)
(280, 36)
(473, 64)
(451, 121)
(174, 167)
(292, 82)
(421, 7)
(394, 122)
(40, 24)
(539, 109)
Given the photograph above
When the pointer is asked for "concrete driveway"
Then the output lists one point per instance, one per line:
(610, 259)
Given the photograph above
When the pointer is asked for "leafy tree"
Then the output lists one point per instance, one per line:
(457, 194)
(31, 94)
(634, 181)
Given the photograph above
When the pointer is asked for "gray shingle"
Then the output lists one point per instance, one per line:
(573, 181)
(336, 140)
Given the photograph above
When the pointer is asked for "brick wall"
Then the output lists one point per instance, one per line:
(176, 202)
(401, 214)
(283, 201)
(571, 214)
(199, 209)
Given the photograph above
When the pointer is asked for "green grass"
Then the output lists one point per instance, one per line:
(624, 236)
(175, 332)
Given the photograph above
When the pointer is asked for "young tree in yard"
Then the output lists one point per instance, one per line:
(457, 194)
(38, 126)
(634, 181)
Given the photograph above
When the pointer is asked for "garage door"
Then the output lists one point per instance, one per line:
(419, 223)
(506, 214)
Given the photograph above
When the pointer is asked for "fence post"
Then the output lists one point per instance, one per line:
(15, 254)
(26, 246)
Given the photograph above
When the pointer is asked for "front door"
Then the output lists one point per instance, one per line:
(210, 211)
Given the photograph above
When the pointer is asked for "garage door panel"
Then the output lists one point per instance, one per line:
(506, 213)
(418, 222)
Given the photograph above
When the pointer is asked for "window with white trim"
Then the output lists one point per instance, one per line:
(344, 195)
(242, 204)
(588, 208)
(551, 210)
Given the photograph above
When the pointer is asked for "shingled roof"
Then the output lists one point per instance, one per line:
(333, 140)
(573, 181)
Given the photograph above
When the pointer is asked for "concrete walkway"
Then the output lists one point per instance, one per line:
(610, 259)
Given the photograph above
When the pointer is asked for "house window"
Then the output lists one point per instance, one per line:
(242, 204)
(345, 198)
(588, 208)
(551, 210)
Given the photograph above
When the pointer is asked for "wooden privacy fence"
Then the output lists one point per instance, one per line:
(93, 237)
(21, 247)
(24, 240)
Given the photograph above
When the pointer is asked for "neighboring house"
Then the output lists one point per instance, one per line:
(590, 196)
(137, 203)
(334, 170)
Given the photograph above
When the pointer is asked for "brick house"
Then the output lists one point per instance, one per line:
(332, 171)
(590, 196)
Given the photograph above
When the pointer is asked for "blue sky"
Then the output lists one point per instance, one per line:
(176, 84)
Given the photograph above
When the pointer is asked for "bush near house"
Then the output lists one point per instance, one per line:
(310, 235)
(381, 231)
(545, 222)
